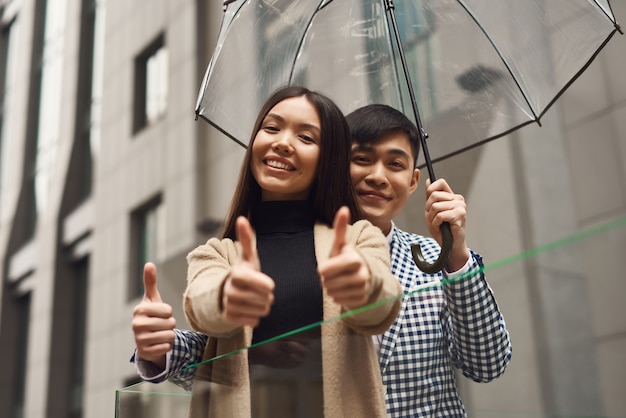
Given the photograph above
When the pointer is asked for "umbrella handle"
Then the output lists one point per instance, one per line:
(446, 249)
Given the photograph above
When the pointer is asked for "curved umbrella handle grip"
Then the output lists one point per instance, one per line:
(446, 249)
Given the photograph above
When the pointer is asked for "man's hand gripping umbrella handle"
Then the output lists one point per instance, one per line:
(446, 249)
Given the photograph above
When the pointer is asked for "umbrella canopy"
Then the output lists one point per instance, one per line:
(483, 68)
(472, 66)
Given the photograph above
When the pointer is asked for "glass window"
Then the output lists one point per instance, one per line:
(151, 85)
(79, 320)
(23, 322)
(144, 243)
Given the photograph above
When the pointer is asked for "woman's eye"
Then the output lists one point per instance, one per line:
(307, 138)
(270, 128)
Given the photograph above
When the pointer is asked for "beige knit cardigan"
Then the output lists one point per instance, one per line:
(352, 384)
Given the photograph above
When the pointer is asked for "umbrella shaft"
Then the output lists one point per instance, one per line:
(390, 8)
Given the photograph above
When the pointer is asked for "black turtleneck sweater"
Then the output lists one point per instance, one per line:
(286, 250)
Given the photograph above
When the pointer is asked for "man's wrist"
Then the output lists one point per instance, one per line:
(458, 263)
(150, 371)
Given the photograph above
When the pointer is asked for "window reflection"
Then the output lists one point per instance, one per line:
(156, 85)
(151, 84)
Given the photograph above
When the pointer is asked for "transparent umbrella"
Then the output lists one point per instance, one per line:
(485, 68)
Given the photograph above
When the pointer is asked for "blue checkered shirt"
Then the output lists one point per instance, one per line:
(457, 323)
(439, 327)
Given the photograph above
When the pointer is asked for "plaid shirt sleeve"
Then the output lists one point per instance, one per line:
(479, 343)
(444, 323)
(187, 350)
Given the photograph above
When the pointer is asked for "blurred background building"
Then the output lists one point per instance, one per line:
(103, 167)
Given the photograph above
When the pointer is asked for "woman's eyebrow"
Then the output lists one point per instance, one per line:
(301, 125)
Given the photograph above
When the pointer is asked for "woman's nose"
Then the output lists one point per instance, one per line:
(282, 143)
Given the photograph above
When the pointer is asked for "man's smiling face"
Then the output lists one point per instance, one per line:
(384, 177)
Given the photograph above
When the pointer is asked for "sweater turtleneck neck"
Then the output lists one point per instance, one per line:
(282, 216)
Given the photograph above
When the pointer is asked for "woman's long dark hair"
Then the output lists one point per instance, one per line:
(332, 187)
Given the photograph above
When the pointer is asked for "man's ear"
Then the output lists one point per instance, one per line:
(415, 178)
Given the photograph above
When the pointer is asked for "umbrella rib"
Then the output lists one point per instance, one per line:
(504, 61)
(611, 16)
(579, 73)
(302, 38)
(481, 142)
(219, 128)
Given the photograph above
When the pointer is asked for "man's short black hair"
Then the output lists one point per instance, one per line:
(368, 124)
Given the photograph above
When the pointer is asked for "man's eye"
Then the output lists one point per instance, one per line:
(359, 159)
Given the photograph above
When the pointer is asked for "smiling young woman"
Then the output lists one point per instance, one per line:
(297, 262)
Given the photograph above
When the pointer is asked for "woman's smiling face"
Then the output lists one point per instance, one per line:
(286, 150)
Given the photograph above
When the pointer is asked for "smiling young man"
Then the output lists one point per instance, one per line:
(454, 324)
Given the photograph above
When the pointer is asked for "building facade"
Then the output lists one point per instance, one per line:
(103, 167)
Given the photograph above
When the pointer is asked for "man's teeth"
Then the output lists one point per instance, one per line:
(277, 164)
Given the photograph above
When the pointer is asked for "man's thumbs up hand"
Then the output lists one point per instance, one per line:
(153, 323)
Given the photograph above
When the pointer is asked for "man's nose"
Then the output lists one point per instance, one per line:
(377, 174)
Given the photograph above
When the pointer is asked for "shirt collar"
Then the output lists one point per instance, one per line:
(390, 234)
